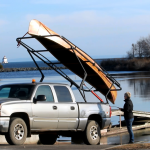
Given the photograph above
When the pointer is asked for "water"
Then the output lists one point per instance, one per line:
(28, 64)
(138, 83)
(140, 136)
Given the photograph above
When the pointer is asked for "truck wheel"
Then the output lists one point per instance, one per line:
(17, 132)
(92, 133)
(48, 139)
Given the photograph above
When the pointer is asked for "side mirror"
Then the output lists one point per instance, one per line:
(41, 98)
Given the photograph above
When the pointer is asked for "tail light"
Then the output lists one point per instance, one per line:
(110, 112)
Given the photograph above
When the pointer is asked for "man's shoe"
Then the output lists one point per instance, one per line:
(131, 142)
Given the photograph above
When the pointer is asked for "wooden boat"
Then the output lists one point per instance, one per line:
(63, 51)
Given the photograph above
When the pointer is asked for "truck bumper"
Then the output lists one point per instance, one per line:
(106, 122)
(4, 124)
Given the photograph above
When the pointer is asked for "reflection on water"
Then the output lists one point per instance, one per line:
(141, 87)
(138, 84)
(139, 136)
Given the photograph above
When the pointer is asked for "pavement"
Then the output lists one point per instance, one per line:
(107, 142)
(55, 147)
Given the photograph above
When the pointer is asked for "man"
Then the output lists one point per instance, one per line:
(128, 115)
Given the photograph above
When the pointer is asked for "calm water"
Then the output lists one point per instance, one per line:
(26, 64)
(31, 64)
(138, 83)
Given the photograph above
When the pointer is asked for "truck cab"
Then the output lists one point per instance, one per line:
(50, 110)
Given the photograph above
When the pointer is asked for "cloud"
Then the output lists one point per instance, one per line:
(91, 23)
(98, 4)
(74, 21)
(98, 26)
(94, 30)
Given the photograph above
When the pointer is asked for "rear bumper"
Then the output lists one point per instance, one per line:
(106, 123)
(4, 124)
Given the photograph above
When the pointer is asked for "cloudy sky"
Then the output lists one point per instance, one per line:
(100, 28)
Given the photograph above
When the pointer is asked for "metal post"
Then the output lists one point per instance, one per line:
(108, 92)
(85, 75)
(37, 66)
(120, 121)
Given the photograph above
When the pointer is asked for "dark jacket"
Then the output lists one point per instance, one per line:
(128, 108)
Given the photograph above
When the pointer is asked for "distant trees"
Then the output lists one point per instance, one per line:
(140, 49)
(123, 64)
(139, 58)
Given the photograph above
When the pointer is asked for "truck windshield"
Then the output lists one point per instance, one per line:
(22, 92)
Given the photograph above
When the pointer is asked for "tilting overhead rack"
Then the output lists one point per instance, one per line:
(52, 65)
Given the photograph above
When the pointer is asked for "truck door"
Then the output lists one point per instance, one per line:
(45, 115)
(67, 109)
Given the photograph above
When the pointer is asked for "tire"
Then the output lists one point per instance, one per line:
(92, 133)
(47, 139)
(17, 132)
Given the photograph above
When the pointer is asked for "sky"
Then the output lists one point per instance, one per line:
(103, 29)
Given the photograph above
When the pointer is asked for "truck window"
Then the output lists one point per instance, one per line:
(4, 93)
(22, 92)
(63, 94)
(45, 90)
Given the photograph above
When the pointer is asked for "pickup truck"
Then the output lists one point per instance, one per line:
(49, 110)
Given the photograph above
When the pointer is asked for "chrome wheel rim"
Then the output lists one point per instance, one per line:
(18, 131)
(93, 132)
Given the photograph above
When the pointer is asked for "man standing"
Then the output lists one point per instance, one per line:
(128, 115)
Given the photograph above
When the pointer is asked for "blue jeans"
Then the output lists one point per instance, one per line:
(129, 127)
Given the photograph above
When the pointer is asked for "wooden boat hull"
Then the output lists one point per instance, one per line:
(64, 52)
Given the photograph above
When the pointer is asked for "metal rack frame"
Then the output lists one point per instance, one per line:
(52, 65)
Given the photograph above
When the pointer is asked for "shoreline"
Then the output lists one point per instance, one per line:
(28, 69)
(135, 64)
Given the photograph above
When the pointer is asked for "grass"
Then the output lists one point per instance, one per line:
(135, 64)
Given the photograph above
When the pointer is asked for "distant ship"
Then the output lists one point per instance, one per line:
(4, 60)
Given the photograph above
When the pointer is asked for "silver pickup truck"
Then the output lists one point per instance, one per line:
(50, 110)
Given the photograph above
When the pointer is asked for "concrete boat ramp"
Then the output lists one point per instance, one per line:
(141, 121)
(116, 112)
(115, 135)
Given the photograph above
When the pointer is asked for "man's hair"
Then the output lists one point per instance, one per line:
(128, 94)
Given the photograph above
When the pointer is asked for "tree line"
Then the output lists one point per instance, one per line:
(140, 49)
